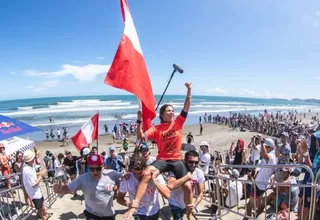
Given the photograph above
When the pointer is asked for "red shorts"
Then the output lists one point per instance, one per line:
(5, 169)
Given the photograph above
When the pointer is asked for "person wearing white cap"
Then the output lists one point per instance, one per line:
(205, 156)
(269, 158)
(31, 182)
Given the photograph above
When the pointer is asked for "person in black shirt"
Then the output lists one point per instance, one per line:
(70, 162)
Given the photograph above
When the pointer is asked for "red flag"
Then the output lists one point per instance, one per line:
(128, 70)
(88, 133)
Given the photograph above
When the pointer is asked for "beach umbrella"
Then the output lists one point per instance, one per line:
(10, 127)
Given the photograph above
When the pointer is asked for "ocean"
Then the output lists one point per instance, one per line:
(72, 112)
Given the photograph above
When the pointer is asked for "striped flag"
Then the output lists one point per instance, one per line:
(88, 133)
(128, 70)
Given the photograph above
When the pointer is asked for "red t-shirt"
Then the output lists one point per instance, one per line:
(169, 138)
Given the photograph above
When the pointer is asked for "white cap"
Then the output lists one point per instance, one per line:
(269, 142)
(204, 143)
(85, 151)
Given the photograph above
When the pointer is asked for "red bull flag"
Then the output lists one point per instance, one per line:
(128, 70)
(10, 127)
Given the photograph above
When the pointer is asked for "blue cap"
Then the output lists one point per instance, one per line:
(112, 148)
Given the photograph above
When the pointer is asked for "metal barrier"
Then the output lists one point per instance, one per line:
(13, 201)
(219, 184)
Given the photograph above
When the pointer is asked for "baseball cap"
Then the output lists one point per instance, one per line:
(122, 151)
(285, 134)
(28, 156)
(144, 147)
(204, 143)
(235, 173)
(85, 151)
(269, 142)
(95, 160)
(112, 148)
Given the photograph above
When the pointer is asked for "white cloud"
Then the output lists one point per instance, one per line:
(43, 86)
(13, 73)
(216, 90)
(82, 73)
(100, 58)
(264, 94)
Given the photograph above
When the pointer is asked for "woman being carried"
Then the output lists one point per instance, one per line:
(168, 136)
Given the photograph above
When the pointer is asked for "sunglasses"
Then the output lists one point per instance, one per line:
(92, 169)
(193, 162)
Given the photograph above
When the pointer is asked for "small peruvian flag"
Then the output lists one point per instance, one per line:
(88, 133)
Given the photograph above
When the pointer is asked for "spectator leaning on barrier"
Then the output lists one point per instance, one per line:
(149, 205)
(205, 156)
(311, 158)
(269, 158)
(31, 182)
(97, 187)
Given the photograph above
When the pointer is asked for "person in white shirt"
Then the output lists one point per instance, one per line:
(205, 156)
(255, 150)
(269, 158)
(176, 199)
(149, 205)
(233, 190)
(31, 183)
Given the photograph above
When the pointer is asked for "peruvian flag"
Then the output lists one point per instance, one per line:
(128, 70)
(88, 133)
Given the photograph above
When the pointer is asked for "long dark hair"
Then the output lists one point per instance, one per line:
(162, 110)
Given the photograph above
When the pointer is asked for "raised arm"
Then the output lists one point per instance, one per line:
(187, 102)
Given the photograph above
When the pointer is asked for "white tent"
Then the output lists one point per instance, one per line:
(15, 144)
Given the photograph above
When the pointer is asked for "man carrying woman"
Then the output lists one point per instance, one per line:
(168, 136)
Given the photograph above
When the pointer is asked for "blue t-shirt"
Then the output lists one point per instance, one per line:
(114, 163)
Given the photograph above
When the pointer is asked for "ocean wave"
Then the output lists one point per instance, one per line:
(88, 104)
(66, 110)
(25, 108)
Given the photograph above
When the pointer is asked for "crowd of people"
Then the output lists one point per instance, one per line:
(107, 177)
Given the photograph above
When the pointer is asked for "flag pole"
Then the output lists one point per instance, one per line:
(98, 133)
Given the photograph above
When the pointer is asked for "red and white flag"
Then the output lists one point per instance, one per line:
(128, 70)
(88, 133)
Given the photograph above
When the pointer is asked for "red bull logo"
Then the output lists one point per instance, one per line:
(6, 124)
(8, 127)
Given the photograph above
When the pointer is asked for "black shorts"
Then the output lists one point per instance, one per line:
(256, 193)
(177, 167)
(38, 203)
(90, 216)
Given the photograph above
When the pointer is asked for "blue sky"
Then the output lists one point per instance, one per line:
(233, 48)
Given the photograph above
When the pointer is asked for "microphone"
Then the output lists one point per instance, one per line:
(177, 68)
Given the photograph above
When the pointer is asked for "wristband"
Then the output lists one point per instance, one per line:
(306, 154)
(138, 122)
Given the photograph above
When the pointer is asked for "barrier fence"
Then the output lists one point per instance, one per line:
(218, 186)
(13, 201)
